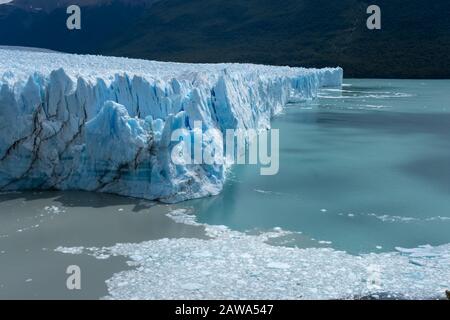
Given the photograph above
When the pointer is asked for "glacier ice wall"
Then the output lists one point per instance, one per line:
(104, 123)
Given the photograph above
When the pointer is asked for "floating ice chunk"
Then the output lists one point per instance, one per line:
(278, 265)
(191, 286)
(54, 209)
(72, 250)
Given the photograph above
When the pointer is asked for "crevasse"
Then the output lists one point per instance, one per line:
(104, 123)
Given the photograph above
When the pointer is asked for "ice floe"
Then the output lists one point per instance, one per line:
(235, 265)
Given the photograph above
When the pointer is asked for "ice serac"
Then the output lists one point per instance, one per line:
(104, 123)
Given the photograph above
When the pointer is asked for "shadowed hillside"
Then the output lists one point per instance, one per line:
(414, 41)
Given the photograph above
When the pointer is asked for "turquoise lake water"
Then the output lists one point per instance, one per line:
(362, 169)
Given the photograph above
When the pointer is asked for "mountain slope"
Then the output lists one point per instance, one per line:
(47, 29)
(414, 41)
(49, 5)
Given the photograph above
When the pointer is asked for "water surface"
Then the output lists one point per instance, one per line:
(34, 224)
(363, 169)
(366, 168)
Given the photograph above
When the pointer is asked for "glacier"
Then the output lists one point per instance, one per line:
(95, 123)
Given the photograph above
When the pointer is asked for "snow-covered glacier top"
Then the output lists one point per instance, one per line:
(103, 123)
(18, 65)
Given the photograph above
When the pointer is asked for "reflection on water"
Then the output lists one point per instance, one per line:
(363, 169)
(34, 224)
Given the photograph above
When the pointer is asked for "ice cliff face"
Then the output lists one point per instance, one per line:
(104, 124)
